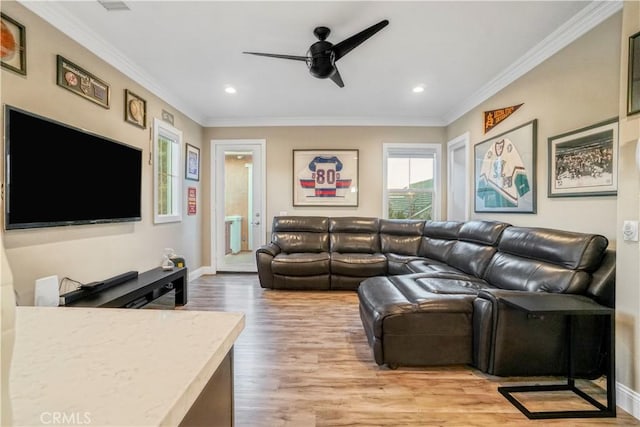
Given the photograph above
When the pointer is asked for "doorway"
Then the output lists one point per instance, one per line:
(239, 185)
(458, 194)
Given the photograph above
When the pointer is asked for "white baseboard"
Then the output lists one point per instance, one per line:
(194, 274)
(628, 400)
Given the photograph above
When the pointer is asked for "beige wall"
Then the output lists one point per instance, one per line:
(90, 252)
(575, 88)
(280, 141)
(628, 208)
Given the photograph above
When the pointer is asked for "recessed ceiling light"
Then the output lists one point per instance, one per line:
(418, 89)
(230, 89)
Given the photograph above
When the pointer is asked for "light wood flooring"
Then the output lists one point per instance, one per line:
(303, 360)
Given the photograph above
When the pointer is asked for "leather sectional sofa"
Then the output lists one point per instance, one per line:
(431, 292)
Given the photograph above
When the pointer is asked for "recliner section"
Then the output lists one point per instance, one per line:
(430, 292)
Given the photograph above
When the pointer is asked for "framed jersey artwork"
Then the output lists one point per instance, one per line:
(325, 177)
(505, 171)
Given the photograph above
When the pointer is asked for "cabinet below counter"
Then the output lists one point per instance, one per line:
(117, 367)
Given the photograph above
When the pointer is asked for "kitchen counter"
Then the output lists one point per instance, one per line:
(115, 367)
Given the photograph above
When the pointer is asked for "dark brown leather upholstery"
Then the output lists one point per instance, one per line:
(430, 291)
(355, 251)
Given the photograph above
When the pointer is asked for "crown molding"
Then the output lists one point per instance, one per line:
(77, 30)
(589, 17)
(324, 121)
(585, 20)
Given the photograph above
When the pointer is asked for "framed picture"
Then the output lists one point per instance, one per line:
(505, 171)
(135, 109)
(167, 117)
(325, 177)
(192, 167)
(81, 82)
(191, 201)
(14, 45)
(584, 162)
(633, 85)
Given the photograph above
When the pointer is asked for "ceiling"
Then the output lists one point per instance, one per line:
(188, 52)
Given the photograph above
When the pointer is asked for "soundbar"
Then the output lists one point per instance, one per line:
(95, 287)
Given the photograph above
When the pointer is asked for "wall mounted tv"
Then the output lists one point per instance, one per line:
(57, 174)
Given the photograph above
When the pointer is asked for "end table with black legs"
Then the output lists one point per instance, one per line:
(569, 306)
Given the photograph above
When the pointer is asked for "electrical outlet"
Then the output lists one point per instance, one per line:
(630, 231)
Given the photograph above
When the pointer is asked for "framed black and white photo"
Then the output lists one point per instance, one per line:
(192, 166)
(584, 162)
(325, 177)
(505, 171)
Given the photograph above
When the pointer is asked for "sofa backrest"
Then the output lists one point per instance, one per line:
(476, 245)
(546, 260)
(354, 234)
(401, 236)
(438, 238)
(301, 233)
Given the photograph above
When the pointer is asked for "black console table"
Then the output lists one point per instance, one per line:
(139, 291)
(570, 306)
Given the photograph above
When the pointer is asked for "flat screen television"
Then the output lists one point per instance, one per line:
(56, 174)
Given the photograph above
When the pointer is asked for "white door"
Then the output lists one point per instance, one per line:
(458, 194)
(239, 205)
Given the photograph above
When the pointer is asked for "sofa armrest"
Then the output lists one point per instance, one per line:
(264, 256)
(508, 341)
(269, 249)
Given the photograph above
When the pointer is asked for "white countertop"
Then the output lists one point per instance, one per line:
(114, 367)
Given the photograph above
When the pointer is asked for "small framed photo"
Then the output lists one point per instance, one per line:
(584, 162)
(505, 171)
(633, 88)
(192, 167)
(325, 177)
(14, 45)
(135, 109)
(167, 117)
(81, 82)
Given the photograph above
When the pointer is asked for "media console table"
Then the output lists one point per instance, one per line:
(137, 292)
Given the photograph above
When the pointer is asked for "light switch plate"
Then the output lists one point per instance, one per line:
(630, 231)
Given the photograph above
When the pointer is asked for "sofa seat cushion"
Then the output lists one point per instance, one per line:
(301, 264)
(358, 265)
(406, 324)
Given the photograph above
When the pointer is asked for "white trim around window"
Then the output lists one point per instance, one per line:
(167, 173)
(418, 150)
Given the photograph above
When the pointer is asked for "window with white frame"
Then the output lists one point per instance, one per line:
(167, 184)
(411, 183)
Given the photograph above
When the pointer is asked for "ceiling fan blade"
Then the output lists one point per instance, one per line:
(347, 45)
(275, 55)
(337, 79)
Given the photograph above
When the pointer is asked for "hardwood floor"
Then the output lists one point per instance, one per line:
(303, 360)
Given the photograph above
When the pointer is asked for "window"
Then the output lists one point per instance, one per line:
(411, 181)
(167, 184)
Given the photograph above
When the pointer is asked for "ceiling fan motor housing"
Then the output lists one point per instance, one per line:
(321, 61)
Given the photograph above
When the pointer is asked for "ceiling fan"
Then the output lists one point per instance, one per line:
(322, 56)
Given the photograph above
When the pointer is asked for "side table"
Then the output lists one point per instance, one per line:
(570, 306)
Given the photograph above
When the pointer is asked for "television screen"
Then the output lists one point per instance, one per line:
(56, 174)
